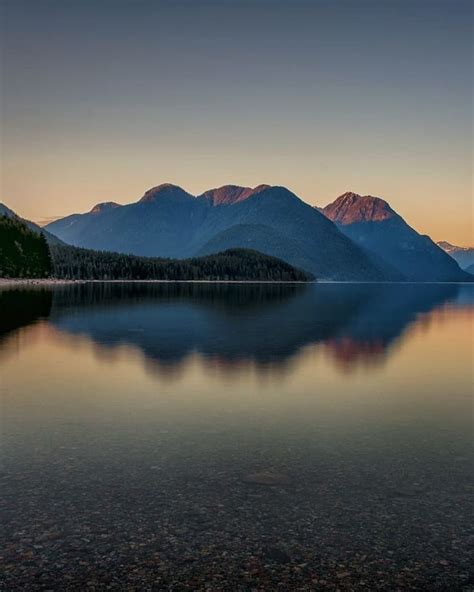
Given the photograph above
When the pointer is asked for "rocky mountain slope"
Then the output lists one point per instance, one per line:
(372, 224)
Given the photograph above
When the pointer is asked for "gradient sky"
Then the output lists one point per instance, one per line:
(102, 99)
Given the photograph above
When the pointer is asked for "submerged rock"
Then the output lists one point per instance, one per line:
(277, 555)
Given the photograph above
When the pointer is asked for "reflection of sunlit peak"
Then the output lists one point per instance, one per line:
(349, 353)
(233, 366)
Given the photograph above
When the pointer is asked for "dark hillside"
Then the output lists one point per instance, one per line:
(23, 252)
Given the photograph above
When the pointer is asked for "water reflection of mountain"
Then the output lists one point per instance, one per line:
(229, 323)
(267, 324)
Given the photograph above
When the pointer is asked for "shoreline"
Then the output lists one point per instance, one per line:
(61, 282)
(51, 282)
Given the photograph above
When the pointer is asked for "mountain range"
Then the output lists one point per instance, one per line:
(355, 238)
(169, 222)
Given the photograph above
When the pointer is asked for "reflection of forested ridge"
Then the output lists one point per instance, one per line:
(263, 323)
(23, 307)
(226, 295)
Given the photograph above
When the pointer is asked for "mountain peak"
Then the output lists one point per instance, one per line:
(231, 194)
(104, 207)
(351, 207)
(167, 190)
(450, 248)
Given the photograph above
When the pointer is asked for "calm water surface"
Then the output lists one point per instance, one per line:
(226, 437)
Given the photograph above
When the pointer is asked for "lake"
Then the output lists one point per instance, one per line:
(237, 437)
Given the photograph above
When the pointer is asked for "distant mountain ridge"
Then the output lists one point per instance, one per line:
(372, 224)
(463, 255)
(169, 222)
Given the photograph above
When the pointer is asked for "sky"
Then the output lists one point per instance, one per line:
(103, 99)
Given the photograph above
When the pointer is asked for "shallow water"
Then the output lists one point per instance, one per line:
(237, 437)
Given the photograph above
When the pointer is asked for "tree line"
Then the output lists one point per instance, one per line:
(231, 265)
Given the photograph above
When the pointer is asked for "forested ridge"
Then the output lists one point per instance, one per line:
(233, 264)
(23, 252)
